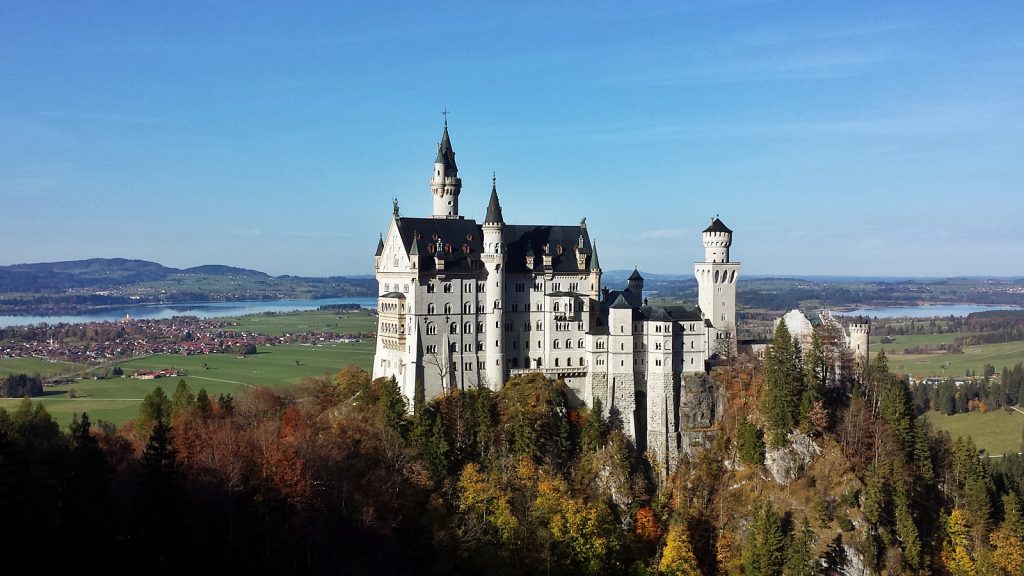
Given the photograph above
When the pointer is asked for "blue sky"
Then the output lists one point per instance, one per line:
(833, 138)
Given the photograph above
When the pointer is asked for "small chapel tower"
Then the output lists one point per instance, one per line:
(445, 184)
(716, 283)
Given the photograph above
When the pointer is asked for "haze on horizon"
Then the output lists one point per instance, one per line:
(868, 140)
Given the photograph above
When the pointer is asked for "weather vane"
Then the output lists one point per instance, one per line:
(445, 114)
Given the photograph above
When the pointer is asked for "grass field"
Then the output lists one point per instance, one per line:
(902, 342)
(997, 432)
(36, 365)
(117, 400)
(315, 321)
(942, 365)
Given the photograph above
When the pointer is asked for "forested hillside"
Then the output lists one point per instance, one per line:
(335, 476)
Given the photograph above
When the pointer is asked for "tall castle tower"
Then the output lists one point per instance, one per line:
(445, 184)
(493, 258)
(716, 281)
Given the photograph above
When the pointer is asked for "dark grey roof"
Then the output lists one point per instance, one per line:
(683, 314)
(635, 275)
(565, 293)
(380, 246)
(398, 295)
(620, 303)
(457, 234)
(445, 154)
(594, 263)
(494, 207)
(718, 226)
(521, 240)
(656, 313)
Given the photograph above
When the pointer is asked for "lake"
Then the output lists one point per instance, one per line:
(198, 309)
(923, 311)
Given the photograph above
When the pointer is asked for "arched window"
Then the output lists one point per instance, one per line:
(556, 362)
(557, 344)
(479, 326)
(568, 361)
(580, 343)
(431, 308)
(568, 343)
(431, 328)
(454, 328)
(467, 328)
(447, 308)
(581, 361)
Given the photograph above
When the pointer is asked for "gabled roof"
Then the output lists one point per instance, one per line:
(718, 226)
(445, 154)
(620, 303)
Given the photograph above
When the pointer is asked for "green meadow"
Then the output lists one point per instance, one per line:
(300, 322)
(997, 432)
(116, 399)
(973, 358)
(30, 366)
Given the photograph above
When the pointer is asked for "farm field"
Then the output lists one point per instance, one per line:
(299, 322)
(942, 365)
(116, 400)
(997, 432)
(902, 342)
(31, 366)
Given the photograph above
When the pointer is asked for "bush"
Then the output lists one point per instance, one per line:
(845, 524)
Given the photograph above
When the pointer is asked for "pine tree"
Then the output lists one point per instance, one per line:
(155, 408)
(183, 399)
(764, 552)
(203, 404)
(781, 403)
(749, 443)
(799, 554)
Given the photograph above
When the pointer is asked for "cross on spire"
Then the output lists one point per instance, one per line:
(445, 114)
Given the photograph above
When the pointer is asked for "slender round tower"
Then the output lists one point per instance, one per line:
(493, 258)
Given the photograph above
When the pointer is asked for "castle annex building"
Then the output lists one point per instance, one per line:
(465, 303)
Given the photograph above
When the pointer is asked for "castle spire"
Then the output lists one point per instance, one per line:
(493, 206)
(445, 184)
(445, 153)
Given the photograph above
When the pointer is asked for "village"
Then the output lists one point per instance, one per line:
(94, 342)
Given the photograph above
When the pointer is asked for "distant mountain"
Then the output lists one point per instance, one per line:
(106, 274)
(221, 270)
(94, 272)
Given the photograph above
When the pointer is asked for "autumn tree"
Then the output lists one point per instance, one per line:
(677, 558)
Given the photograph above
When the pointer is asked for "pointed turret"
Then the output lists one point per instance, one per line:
(595, 265)
(380, 245)
(445, 184)
(493, 206)
(635, 284)
(445, 154)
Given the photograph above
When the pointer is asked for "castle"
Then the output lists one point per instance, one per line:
(846, 353)
(465, 304)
